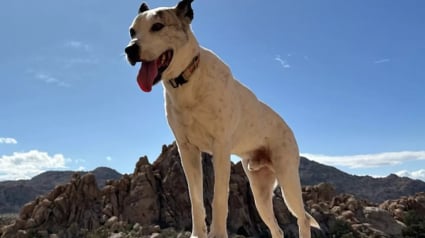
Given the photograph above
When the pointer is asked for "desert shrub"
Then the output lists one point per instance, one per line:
(340, 228)
(415, 225)
(34, 234)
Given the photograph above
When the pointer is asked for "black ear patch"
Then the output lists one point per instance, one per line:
(144, 7)
(184, 9)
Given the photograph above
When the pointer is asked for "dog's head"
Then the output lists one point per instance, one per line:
(156, 37)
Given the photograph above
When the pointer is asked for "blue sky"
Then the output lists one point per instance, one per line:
(347, 76)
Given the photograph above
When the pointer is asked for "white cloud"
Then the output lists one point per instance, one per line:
(24, 165)
(283, 62)
(108, 158)
(382, 61)
(368, 160)
(8, 140)
(51, 80)
(81, 168)
(419, 174)
(77, 45)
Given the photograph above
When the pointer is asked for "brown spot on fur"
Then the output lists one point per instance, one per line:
(160, 14)
(259, 158)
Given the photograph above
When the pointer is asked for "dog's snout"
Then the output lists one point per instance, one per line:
(132, 52)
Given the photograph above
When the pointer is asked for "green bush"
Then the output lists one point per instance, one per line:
(415, 225)
(34, 234)
(340, 228)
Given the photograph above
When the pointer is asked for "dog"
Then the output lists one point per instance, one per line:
(210, 111)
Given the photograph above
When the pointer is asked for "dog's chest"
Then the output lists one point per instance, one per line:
(200, 135)
(196, 124)
(199, 124)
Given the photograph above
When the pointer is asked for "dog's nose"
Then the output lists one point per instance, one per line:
(132, 52)
(132, 49)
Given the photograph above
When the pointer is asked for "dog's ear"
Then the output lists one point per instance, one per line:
(184, 9)
(143, 7)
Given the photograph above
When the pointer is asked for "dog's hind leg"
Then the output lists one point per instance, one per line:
(262, 182)
(286, 169)
(192, 166)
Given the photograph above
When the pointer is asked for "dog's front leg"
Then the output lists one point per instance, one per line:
(221, 161)
(192, 166)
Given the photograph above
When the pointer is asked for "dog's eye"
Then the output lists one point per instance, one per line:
(157, 27)
(132, 33)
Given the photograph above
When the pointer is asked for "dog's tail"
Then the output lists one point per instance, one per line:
(310, 218)
(313, 221)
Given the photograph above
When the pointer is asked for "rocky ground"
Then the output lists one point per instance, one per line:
(153, 202)
(7, 219)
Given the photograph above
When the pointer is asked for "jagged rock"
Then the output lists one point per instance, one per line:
(319, 193)
(14, 194)
(174, 197)
(76, 203)
(399, 208)
(143, 187)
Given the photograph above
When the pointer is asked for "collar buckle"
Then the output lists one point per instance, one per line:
(182, 78)
(175, 83)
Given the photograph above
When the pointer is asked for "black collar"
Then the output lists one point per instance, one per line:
(185, 75)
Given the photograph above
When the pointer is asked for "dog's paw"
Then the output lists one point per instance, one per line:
(216, 235)
(195, 236)
(199, 234)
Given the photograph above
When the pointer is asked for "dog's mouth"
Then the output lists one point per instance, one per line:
(150, 72)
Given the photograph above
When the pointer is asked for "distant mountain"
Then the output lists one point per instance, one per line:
(14, 194)
(365, 187)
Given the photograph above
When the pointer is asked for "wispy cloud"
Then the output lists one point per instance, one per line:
(382, 61)
(8, 140)
(69, 63)
(83, 54)
(284, 63)
(48, 79)
(77, 45)
(57, 65)
(418, 174)
(108, 158)
(24, 165)
(368, 160)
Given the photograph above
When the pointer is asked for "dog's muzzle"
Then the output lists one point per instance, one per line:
(132, 52)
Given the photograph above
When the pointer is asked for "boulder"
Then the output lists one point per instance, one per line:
(381, 220)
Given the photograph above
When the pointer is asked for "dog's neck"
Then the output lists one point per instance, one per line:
(185, 75)
(186, 61)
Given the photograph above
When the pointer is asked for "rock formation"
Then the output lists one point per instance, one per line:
(14, 194)
(154, 200)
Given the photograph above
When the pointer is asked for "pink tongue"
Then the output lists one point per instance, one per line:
(146, 76)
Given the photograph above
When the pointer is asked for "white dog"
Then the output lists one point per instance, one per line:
(209, 111)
